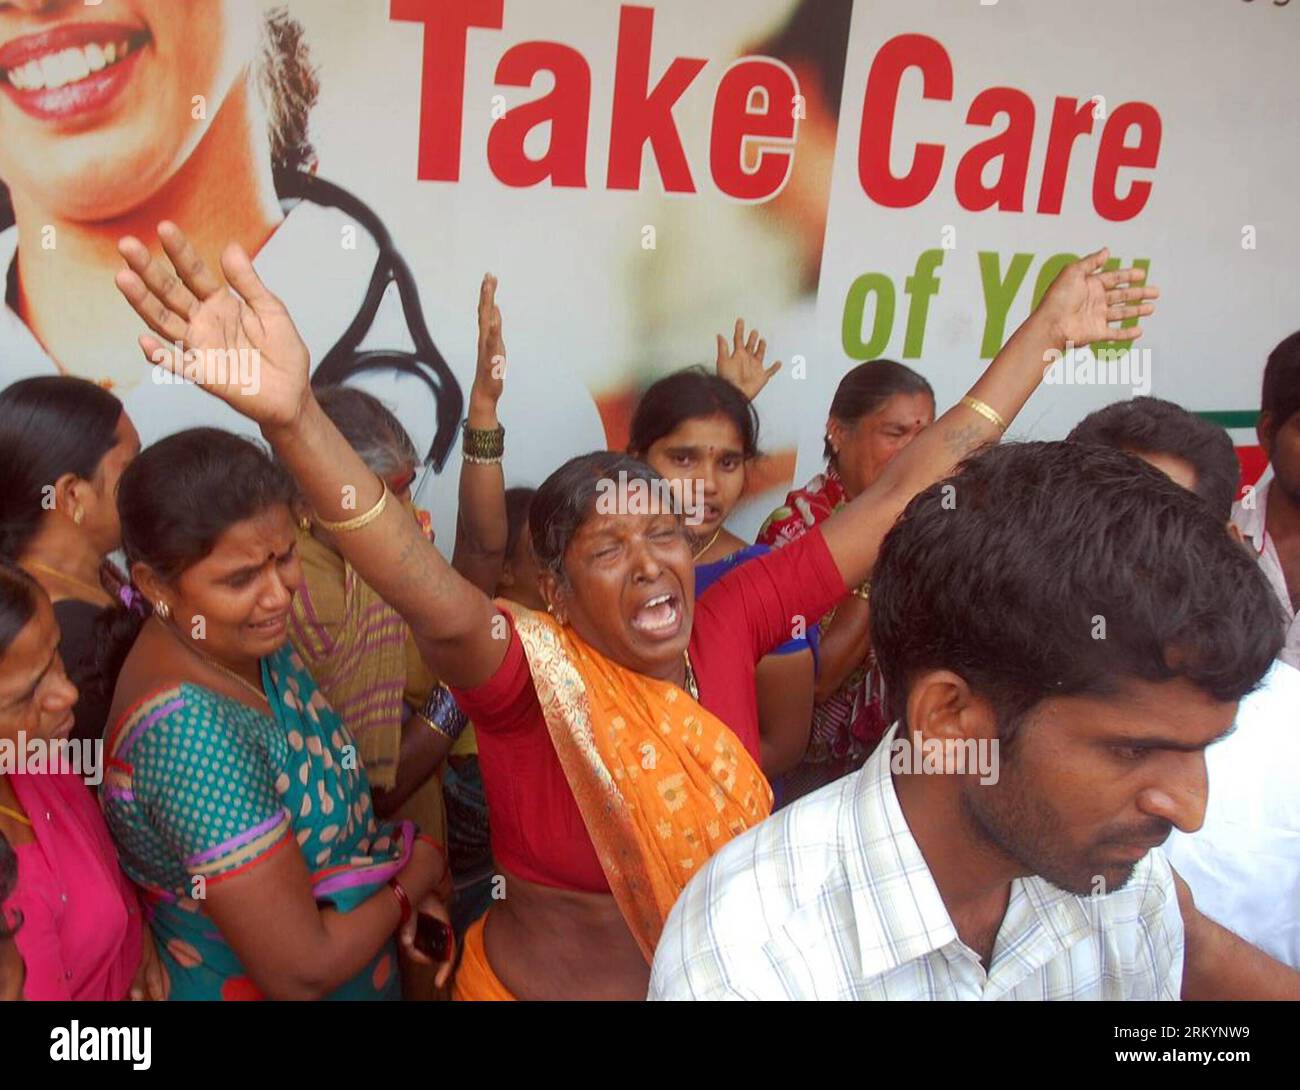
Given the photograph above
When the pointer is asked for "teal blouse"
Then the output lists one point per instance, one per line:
(200, 787)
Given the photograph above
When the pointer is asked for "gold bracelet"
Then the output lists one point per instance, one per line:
(985, 410)
(360, 521)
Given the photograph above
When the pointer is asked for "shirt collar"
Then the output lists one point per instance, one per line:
(1041, 920)
(1251, 520)
(879, 845)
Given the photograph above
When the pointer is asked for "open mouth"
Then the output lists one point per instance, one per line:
(659, 617)
(69, 70)
(272, 627)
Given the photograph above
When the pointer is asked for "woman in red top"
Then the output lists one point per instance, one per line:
(646, 695)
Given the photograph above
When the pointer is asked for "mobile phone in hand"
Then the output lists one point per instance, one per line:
(432, 937)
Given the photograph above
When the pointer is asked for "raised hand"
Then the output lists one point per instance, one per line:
(742, 363)
(1083, 300)
(237, 340)
(489, 375)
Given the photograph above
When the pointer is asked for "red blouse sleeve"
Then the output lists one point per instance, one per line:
(766, 599)
(507, 700)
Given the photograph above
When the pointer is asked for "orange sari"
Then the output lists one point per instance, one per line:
(661, 782)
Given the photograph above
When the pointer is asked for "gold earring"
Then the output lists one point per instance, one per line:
(162, 609)
(79, 516)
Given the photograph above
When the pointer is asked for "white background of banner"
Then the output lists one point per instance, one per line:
(1219, 72)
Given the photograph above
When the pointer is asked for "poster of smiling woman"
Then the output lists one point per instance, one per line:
(879, 178)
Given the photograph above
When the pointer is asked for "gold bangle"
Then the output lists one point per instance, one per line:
(985, 410)
(360, 521)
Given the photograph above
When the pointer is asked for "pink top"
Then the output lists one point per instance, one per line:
(81, 933)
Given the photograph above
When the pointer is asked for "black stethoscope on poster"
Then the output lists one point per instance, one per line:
(345, 360)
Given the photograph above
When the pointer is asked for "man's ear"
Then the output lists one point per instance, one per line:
(940, 704)
(1234, 532)
(1264, 432)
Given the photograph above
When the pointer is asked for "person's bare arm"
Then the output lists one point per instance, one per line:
(784, 688)
(842, 645)
(1220, 964)
(452, 619)
(291, 947)
(481, 526)
(1077, 309)
(423, 750)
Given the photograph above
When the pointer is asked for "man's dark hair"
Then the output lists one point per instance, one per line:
(1150, 425)
(1281, 393)
(1005, 573)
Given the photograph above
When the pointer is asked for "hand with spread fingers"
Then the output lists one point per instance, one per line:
(741, 363)
(222, 327)
(1084, 300)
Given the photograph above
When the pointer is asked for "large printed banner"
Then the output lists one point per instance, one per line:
(879, 178)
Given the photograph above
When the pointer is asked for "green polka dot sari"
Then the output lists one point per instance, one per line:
(200, 787)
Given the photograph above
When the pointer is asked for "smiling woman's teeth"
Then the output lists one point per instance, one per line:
(67, 66)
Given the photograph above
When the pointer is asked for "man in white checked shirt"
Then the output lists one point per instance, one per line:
(1082, 618)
